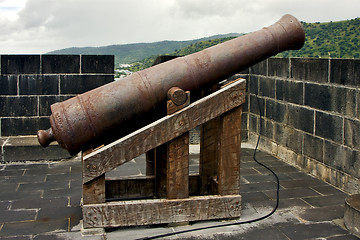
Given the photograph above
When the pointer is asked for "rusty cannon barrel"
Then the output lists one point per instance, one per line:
(115, 109)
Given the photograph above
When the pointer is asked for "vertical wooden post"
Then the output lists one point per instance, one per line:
(94, 190)
(229, 153)
(209, 154)
(172, 158)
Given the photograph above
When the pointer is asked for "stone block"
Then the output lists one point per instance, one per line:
(253, 84)
(289, 137)
(301, 118)
(331, 98)
(318, 96)
(23, 126)
(257, 104)
(20, 64)
(8, 84)
(342, 158)
(97, 64)
(76, 84)
(45, 102)
(278, 67)
(310, 69)
(352, 133)
(267, 129)
(259, 68)
(290, 91)
(276, 111)
(60, 64)
(38, 84)
(267, 87)
(253, 123)
(15, 106)
(345, 71)
(329, 126)
(313, 147)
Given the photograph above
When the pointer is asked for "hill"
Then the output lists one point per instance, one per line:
(128, 53)
(331, 39)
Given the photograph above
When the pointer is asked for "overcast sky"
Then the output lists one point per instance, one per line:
(40, 26)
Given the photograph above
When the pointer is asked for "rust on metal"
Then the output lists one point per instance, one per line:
(118, 108)
(177, 96)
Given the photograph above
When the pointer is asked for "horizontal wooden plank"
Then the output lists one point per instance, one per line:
(141, 187)
(163, 130)
(159, 211)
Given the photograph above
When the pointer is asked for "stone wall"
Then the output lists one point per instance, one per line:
(29, 84)
(311, 115)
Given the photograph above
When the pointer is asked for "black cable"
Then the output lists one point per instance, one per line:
(238, 223)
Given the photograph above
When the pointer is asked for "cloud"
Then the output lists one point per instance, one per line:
(45, 25)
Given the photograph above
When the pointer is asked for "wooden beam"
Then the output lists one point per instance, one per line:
(229, 152)
(163, 130)
(94, 190)
(159, 211)
(141, 186)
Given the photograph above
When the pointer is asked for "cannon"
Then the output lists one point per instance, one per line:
(113, 110)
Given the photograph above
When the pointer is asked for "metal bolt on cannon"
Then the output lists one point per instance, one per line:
(114, 110)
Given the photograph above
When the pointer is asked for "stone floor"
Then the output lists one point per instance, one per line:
(42, 201)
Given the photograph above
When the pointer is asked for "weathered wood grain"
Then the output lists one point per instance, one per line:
(94, 190)
(229, 152)
(129, 187)
(178, 167)
(141, 186)
(159, 211)
(209, 154)
(163, 130)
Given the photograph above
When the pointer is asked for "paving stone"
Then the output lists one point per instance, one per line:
(11, 172)
(323, 201)
(9, 187)
(25, 179)
(311, 231)
(255, 234)
(43, 186)
(327, 190)
(40, 203)
(248, 171)
(259, 178)
(34, 227)
(299, 175)
(17, 238)
(4, 205)
(74, 213)
(13, 216)
(278, 169)
(302, 183)
(292, 193)
(26, 166)
(254, 197)
(56, 193)
(321, 214)
(49, 170)
(256, 187)
(19, 195)
(58, 177)
(292, 203)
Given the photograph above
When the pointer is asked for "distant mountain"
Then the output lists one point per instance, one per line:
(128, 53)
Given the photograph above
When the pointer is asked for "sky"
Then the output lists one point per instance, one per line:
(40, 26)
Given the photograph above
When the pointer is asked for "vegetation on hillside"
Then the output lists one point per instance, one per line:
(129, 53)
(332, 39)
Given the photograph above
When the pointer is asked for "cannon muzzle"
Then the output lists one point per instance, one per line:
(115, 109)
